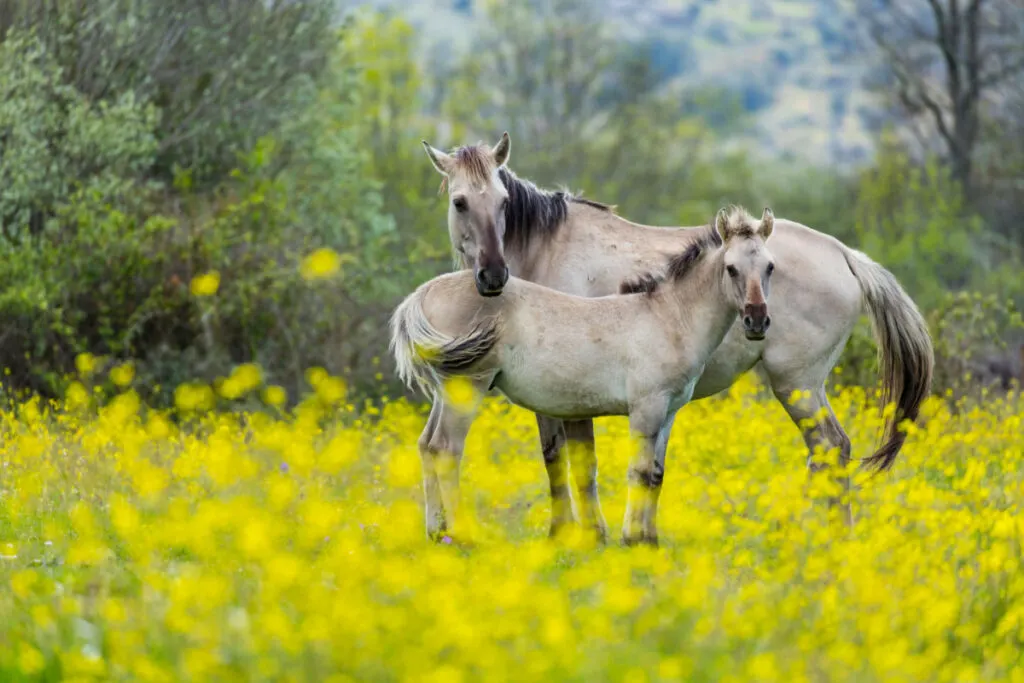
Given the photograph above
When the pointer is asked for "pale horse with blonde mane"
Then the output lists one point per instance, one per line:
(500, 224)
(573, 357)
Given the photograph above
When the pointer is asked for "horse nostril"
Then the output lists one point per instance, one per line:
(748, 321)
(767, 322)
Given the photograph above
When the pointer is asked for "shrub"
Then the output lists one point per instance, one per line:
(54, 141)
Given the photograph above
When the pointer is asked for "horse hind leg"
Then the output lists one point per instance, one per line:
(583, 460)
(441, 452)
(556, 462)
(822, 432)
(433, 505)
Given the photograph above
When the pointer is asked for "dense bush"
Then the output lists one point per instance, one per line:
(55, 141)
(223, 73)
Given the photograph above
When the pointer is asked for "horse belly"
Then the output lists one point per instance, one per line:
(551, 393)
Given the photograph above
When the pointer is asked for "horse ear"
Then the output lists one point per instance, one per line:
(441, 161)
(502, 149)
(722, 224)
(767, 223)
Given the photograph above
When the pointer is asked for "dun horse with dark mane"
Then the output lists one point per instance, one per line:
(500, 224)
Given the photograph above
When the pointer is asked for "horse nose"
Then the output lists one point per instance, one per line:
(490, 281)
(755, 318)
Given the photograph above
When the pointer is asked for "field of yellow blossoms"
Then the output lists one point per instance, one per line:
(273, 545)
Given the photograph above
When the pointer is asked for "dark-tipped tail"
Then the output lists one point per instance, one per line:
(425, 357)
(905, 352)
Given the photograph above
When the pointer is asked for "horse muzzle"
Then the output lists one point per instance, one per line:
(491, 281)
(756, 321)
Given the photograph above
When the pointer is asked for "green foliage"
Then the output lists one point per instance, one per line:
(55, 141)
(914, 221)
(377, 76)
(223, 73)
(97, 287)
(967, 330)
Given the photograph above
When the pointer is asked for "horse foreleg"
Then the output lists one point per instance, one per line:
(660, 451)
(556, 462)
(646, 473)
(583, 460)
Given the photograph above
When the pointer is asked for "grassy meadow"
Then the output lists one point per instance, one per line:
(207, 544)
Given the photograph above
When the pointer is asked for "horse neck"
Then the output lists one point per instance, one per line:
(701, 305)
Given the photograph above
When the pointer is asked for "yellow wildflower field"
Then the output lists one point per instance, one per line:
(290, 547)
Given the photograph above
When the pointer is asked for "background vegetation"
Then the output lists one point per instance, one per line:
(144, 145)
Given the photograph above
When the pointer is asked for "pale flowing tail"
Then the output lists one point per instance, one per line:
(425, 357)
(905, 351)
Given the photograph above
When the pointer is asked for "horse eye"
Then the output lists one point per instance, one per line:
(771, 268)
(732, 271)
(459, 203)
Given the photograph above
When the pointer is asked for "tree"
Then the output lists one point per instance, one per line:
(584, 108)
(946, 58)
(223, 73)
(54, 141)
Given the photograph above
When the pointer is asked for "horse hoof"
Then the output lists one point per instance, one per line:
(600, 535)
(439, 535)
(649, 542)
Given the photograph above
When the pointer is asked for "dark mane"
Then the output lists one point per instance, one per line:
(678, 267)
(532, 212)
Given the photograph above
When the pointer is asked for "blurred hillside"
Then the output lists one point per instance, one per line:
(798, 67)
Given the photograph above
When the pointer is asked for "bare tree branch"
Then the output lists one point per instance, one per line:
(948, 75)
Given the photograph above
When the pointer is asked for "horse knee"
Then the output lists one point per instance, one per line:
(551, 449)
(649, 478)
(423, 443)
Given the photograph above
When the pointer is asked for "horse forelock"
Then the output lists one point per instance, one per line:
(476, 162)
(740, 223)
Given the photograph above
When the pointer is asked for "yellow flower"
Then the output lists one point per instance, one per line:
(85, 363)
(22, 582)
(275, 396)
(321, 264)
(76, 396)
(30, 660)
(244, 379)
(460, 393)
(194, 397)
(315, 376)
(122, 375)
(331, 390)
(205, 284)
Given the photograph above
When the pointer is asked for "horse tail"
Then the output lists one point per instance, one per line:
(905, 351)
(425, 357)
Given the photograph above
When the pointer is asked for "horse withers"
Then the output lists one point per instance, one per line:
(639, 354)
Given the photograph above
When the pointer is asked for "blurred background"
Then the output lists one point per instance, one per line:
(167, 167)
